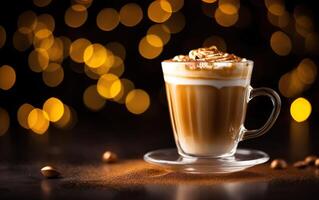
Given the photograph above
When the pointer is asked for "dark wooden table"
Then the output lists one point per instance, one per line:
(77, 155)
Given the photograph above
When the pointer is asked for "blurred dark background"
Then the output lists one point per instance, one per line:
(279, 36)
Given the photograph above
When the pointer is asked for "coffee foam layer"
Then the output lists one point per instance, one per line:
(210, 82)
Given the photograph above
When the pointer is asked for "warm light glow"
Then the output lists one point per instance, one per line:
(147, 50)
(300, 109)
(159, 11)
(66, 120)
(4, 121)
(53, 75)
(41, 3)
(117, 49)
(176, 4)
(94, 55)
(280, 43)
(312, 42)
(45, 21)
(209, 1)
(22, 41)
(108, 86)
(229, 7)
(43, 39)
(77, 49)
(224, 19)
(66, 45)
(55, 52)
(160, 30)
(127, 86)
(217, 41)
(23, 113)
(75, 16)
(38, 121)
(176, 23)
(118, 67)
(137, 101)
(307, 71)
(131, 14)
(154, 40)
(92, 99)
(7, 77)
(27, 22)
(107, 19)
(54, 108)
(281, 21)
(3, 36)
(276, 7)
(38, 60)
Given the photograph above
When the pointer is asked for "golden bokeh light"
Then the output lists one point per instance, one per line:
(66, 45)
(176, 4)
(107, 19)
(209, 1)
(176, 22)
(307, 71)
(229, 7)
(92, 99)
(45, 21)
(159, 11)
(38, 121)
(94, 55)
(280, 43)
(147, 50)
(43, 39)
(276, 7)
(224, 19)
(7, 77)
(53, 75)
(117, 49)
(54, 109)
(38, 60)
(22, 41)
(137, 101)
(109, 86)
(4, 121)
(118, 67)
(160, 30)
(23, 113)
(68, 119)
(91, 72)
(217, 41)
(75, 16)
(300, 109)
(41, 3)
(56, 51)
(3, 36)
(127, 86)
(86, 3)
(27, 22)
(290, 85)
(281, 21)
(154, 40)
(77, 49)
(131, 14)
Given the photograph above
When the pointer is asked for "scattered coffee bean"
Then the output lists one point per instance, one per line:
(109, 157)
(310, 160)
(317, 162)
(300, 164)
(50, 172)
(278, 164)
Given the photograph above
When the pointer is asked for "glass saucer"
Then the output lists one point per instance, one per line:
(242, 159)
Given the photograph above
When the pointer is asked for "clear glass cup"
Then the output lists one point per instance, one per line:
(207, 103)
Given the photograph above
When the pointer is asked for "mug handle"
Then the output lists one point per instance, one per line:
(276, 102)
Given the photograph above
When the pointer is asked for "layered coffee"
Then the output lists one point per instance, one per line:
(207, 92)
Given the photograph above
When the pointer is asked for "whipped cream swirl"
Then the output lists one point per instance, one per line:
(210, 54)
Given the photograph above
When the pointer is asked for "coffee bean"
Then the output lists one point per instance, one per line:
(109, 157)
(300, 164)
(278, 164)
(50, 172)
(310, 160)
(317, 162)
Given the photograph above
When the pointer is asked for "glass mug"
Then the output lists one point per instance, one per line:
(207, 103)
